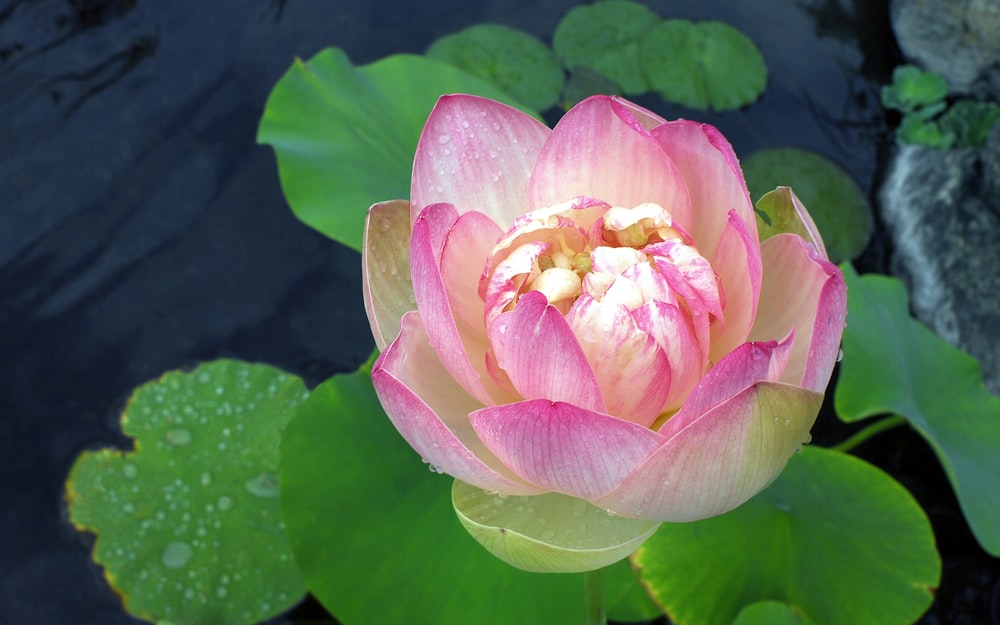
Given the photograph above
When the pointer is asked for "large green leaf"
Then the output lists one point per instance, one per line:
(833, 537)
(345, 136)
(511, 59)
(835, 202)
(604, 37)
(188, 525)
(374, 532)
(702, 65)
(894, 364)
(628, 600)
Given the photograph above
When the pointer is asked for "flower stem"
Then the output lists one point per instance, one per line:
(875, 428)
(593, 597)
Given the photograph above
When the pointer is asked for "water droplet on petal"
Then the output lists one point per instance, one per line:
(444, 138)
(840, 355)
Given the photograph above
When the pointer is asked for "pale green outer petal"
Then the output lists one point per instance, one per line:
(788, 214)
(549, 533)
(385, 266)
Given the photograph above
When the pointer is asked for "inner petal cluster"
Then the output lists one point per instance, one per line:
(631, 285)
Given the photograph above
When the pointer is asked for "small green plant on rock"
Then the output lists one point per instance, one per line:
(928, 119)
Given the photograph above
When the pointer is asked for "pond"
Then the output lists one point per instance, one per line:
(143, 230)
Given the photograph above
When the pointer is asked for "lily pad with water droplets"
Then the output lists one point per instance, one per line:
(833, 536)
(604, 37)
(702, 64)
(188, 524)
(513, 60)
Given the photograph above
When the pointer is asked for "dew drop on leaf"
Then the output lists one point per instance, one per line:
(264, 485)
(179, 438)
(176, 554)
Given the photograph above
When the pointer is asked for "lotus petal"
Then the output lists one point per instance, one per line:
(538, 350)
(549, 533)
(600, 150)
(721, 459)
(431, 412)
(388, 292)
(453, 344)
(476, 154)
(804, 292)
(562, 447)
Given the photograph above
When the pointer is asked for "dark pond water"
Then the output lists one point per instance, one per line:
(141, 228)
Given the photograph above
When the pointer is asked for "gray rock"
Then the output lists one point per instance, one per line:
(959, 39)
(943, 211)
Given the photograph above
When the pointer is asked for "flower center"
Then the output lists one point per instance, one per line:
(615, 255)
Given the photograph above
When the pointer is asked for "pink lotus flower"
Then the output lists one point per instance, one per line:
(587, 310)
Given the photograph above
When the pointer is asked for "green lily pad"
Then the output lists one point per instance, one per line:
(374, 533)
(584, 82)
(604, 36)
(936, 387)
(511, 59)
(834, 537)
(702, 65)
(628, 600)
(188, 525)
(835, 202)
(345, 137)
(770, 613)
